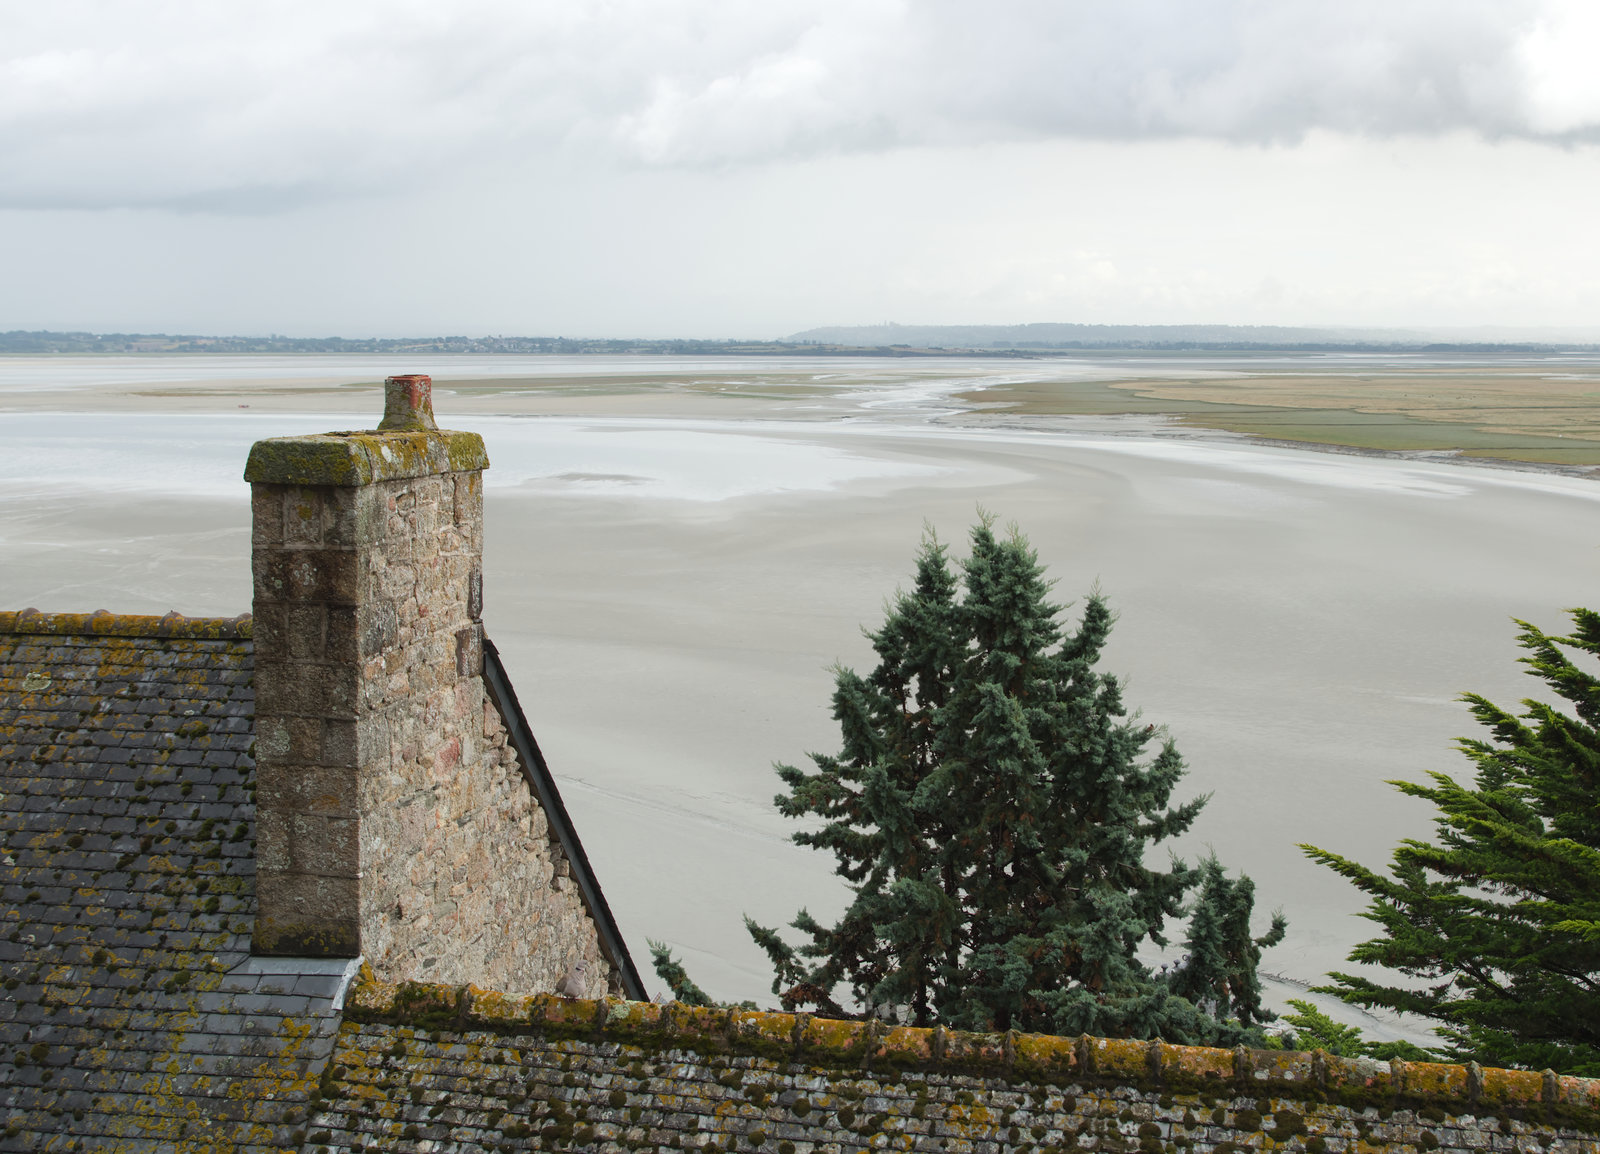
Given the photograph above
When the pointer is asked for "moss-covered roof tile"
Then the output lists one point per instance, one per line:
(127, 893)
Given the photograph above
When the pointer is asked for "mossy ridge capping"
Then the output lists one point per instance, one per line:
(363, 457)
(825, 1042)
(101, 623)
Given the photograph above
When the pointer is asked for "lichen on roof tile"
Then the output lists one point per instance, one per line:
(127, 891)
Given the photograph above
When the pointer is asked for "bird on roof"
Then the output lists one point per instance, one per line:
(575, 982)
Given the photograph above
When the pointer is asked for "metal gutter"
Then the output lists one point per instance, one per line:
(544, 788)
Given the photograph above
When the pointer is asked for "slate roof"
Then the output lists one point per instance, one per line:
(133, 1016)
(132, 1009)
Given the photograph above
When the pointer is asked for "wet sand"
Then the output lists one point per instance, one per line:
(670, 593)
(1527, 409)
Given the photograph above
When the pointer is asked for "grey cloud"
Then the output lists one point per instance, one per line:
(261, 107)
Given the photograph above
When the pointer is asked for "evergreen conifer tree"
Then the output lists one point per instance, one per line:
(671, 971)
(991, 809)
(1311, 1029)
(1219, 972)
(1501, 918)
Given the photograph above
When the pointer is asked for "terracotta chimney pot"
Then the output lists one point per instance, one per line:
(408, 403)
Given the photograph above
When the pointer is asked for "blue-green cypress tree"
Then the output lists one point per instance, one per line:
(1218, 972)
(671, 971)
(991, 809)
(1499, 918)
(883, 819)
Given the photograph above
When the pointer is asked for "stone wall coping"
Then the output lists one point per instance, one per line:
(101, 623)
(363, 457)
(875, 1046)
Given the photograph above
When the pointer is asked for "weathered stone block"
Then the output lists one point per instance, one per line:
(1117, 1056)
(307, 631)
(983, 1051)
(266, 515)
(1284, 1067)
(306, 916)
(1581, 1093)
(1356, 1073)
(305, 689)
(272, 740)
(361, 525)
(1435, 1079)
(1190, 1064)
(307, 789)
(1045, 1057)
(341, 743)
(331, 575)
(548, 1008)
(1511, 1087)
(341, 641)
(627, 1017)
(372, 739)
(323, 845)
(378, 623)
(342, 521)
(296, 740)
(270, 626)
(302, 516)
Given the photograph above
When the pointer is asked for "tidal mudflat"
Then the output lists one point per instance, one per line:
(678, 551)
(1534, 407)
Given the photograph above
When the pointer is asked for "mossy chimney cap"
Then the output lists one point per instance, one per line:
(408, 403)
(409, 443)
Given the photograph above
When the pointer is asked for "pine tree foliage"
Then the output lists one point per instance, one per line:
(1219, 972)
(1311, 1029)
(1498, 918)
(1315, 1030)
(991, 809)
(671, 971)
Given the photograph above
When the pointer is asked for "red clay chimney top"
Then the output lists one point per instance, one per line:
(408, 403)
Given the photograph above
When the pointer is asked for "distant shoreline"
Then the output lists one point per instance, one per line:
(1506, 410)
(1157, 339)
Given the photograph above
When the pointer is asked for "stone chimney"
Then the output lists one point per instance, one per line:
(392, 819)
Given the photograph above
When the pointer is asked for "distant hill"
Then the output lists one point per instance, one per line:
(1049, 336)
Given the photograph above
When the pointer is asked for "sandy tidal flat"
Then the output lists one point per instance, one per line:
(671, 569)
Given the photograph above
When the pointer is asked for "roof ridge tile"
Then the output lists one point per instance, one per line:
(102, 623)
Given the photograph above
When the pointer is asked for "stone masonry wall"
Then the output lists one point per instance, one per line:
(418, 1068)
(394, 819)
(459, 878)
(488, 891)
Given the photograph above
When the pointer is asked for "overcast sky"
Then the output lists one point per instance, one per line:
(752, 168)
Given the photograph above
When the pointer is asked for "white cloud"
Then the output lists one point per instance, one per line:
(204, 105)
(1558, 56)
